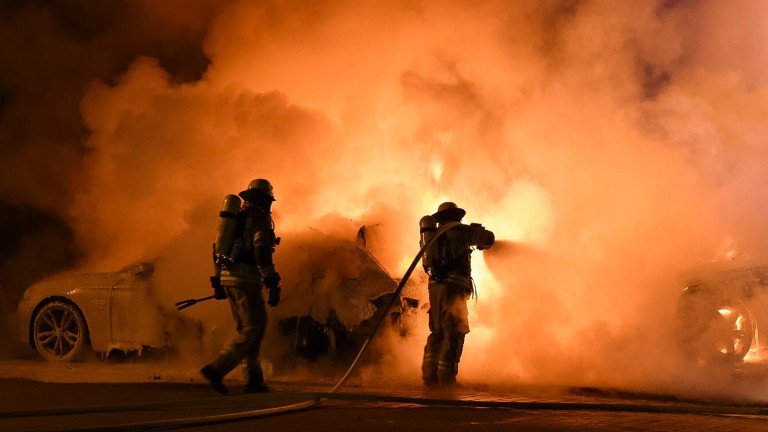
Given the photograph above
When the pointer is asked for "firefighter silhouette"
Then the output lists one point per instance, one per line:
(448, 264)
(243, 265)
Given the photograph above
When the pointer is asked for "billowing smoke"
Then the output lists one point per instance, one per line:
(609, 145)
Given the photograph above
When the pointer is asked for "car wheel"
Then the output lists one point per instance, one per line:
(716, 331)
(59, 332)
(735, 328)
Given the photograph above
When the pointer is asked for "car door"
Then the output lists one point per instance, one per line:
(135, 320)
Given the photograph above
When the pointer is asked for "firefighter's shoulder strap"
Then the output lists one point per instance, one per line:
(443, 255)
(242, 247)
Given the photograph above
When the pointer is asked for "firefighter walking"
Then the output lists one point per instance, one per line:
(448, 264)
(243, 265)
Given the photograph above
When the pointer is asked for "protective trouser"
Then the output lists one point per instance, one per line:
(250, 316)
(448, 324)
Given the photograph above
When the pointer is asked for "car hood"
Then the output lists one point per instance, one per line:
(336, 277)
(66, 282)
(743, 280)
(88, 280)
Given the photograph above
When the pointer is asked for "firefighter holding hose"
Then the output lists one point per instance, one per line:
(448, 263)
(243, 265)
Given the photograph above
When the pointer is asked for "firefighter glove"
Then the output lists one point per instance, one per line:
(219, 294)
(273, 283)
(274, 296)
(218, 290)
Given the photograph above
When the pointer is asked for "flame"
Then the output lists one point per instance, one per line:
(436, 169)
(740, 323)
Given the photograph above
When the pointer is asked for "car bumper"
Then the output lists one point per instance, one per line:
(24, 315)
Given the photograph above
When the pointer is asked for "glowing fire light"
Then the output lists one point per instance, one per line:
(740, 324)
(436, 169)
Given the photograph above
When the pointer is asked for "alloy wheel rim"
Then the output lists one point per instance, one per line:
(58, 332)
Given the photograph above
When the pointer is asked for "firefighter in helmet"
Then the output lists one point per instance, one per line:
(448, 264)
(243, 265)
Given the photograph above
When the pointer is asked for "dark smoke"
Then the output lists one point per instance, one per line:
(50, 51)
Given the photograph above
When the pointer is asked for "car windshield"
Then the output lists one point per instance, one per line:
(138, 268)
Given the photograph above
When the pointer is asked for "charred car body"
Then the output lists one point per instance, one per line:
(722, 310)
(330, 308)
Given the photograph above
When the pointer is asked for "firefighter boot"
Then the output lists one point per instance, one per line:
(215, 379)
(429, 363)
(254, 377)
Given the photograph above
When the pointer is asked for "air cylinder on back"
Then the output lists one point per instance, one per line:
(225, 237)
(427, 228)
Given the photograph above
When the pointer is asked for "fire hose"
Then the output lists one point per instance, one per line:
(391, 303)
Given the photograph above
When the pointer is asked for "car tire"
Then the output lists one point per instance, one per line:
(716, 330)
(740, 327)
(59, 332)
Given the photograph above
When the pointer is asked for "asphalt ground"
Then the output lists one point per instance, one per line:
(162, 395)
(30, 405)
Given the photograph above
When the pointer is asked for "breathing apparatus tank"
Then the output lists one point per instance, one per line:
(427, 228)
(225, 237)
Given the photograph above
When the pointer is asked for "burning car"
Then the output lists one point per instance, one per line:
(330, 301)
(722, 310)
(64, 316)
(340, 292)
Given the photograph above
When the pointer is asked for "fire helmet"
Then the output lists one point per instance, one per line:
(449, 212)
(257, 188)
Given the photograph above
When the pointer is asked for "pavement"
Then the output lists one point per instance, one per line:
(28, 404)
(339, 415)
